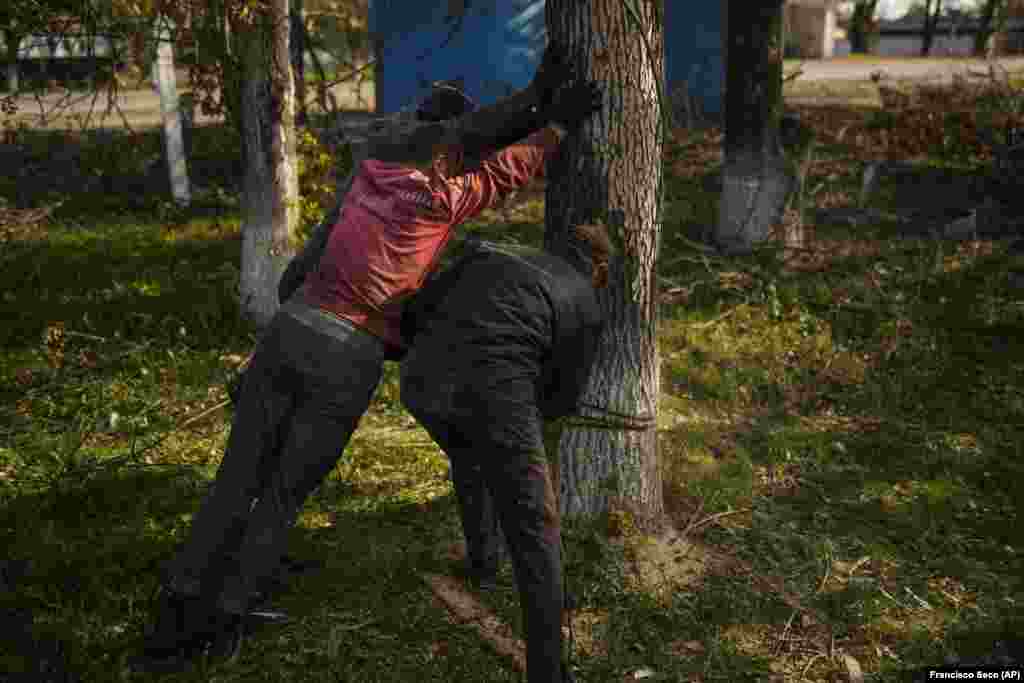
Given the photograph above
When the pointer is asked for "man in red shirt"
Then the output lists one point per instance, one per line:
(317, 365)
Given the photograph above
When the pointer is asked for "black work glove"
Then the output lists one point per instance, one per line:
(553, 72)
(574, 102)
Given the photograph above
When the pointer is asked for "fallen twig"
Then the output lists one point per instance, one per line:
(83, 335)
(200, 416)
(467, 609)
(714, 321)
(785, 631)
(803, 674)
(717, 517)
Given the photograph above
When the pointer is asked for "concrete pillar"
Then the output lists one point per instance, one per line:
(811, 26)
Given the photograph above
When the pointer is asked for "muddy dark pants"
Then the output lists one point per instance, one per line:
(508, 482)
(310, 380)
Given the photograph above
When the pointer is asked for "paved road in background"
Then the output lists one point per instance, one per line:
(907, 69)
(142, 106)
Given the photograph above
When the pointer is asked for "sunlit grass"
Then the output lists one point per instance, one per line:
(857, 427)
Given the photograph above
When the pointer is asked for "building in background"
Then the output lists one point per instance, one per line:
(811, 29)
(490, 48)
(66, 55)
(954, 37)
(494, 48)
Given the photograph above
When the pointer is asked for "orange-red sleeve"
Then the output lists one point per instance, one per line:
(498, 175)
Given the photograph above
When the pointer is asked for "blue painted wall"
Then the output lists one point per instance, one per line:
(501, 41)
(496, 50)
(694, 50)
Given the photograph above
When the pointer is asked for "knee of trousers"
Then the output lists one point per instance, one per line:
(527, 492)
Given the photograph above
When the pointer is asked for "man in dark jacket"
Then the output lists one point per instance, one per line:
(502, 341)
(317, 365)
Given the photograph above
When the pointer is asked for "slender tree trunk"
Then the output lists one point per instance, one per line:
(12, 40)
(612, 171)
(932, 11)
(271, 186)
(170, 111)
(862, 26)
(298, 50)
(991, 22)
(756, 179)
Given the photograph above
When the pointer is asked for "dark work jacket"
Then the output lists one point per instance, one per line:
(514, 324)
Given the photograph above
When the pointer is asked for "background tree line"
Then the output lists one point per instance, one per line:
(861, 18)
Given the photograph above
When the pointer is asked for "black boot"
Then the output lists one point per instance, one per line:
(223, 639)
(184, 629)
(484, 579)
(172, 640)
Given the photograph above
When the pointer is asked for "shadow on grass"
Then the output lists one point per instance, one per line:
(95, 551)
(131, 277)
(884, 438)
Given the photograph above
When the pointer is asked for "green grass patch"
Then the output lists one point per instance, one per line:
(857, 429)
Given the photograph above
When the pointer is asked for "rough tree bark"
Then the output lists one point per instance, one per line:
(270, 192)
(612, 170)
(756, 178)
(298, 49)
(862, 26)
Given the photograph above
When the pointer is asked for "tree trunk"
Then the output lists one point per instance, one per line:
(298, 50)
(12, 41)
(611, 170)
(991, 22)
(170, 111)
(932, 11)
(756, 180)
(862, 26)
(270, 192)
(222, 23)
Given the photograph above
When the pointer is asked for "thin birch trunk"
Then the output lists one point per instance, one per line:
(270, 189)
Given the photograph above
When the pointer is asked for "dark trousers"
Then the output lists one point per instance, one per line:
(508, 483)
(301, 399)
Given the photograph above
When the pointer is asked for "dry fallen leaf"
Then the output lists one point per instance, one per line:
(686, 648)
(853, 670)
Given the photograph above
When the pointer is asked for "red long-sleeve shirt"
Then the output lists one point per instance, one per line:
(394, 224)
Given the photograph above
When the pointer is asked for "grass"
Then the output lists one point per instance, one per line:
(866, 411)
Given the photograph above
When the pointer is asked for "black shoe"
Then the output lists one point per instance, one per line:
(258, 616)
(293, 565)
(288, 569)
(483, 579)
(172, 641)
(223, 642)
(184, 630)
